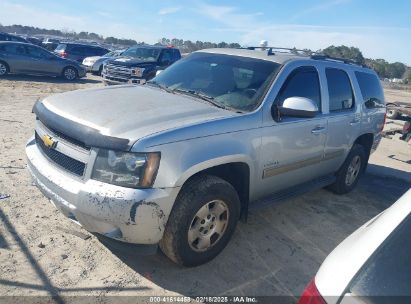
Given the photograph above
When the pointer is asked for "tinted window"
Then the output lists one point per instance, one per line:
(77, 50)
(167, 56)
(339, 90)
(36, 52)
(302, 82)
(176, 55)
(388, 272)
(370, 89)
(15, 49)
(232, 81)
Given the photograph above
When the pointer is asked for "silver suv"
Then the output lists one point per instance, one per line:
(178, 161)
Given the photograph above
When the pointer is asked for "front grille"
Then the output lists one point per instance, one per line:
(118, 72)
(69, 139)
(70, 164)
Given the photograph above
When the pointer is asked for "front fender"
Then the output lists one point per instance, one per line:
(181, 160)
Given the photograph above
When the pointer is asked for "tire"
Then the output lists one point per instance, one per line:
(70, 73)
(392, 113)
(350, 172)
(205, 206)
(4, 68)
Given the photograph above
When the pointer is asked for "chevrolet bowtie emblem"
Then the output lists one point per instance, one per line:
(49, 142)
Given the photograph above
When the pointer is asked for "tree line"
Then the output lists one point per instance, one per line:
(383, 68)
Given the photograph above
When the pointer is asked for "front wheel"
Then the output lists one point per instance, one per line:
(202, 221)
(70, 73)
(351, 170)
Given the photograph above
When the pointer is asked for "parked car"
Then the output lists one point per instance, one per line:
(396, 109)
(139, 64)
(25, 58)
(95, 64)
(78, 51)
(9, 37)
(50, 43)
(176, 161)
(372, 265)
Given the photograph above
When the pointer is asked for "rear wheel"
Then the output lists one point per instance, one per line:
(70, 73)
(350, 171)
(202, 221)
(4, 68)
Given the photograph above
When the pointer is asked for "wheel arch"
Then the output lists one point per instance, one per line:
(236, 172)
(366, 140)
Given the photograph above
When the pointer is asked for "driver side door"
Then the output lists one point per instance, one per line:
(293, 147)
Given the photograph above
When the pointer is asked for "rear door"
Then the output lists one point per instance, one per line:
(344, 116)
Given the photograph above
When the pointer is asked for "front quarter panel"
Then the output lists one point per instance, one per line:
(189, 150)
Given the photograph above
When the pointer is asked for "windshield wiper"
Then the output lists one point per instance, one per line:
(202, 96)
(164, 88)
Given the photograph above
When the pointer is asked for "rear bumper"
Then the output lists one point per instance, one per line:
(130, 215)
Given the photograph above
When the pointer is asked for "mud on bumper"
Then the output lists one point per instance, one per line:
(130, 215)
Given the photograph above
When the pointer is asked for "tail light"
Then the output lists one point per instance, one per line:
(311, 295)
(406, 127)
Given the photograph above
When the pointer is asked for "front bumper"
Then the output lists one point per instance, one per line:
(130, 215)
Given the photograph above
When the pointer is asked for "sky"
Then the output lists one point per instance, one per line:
(380, 28)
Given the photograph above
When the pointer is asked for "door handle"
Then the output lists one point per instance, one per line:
(318, 130)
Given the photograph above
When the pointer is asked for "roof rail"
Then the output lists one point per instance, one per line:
(271, 49)
(312, 54)
(319, 56)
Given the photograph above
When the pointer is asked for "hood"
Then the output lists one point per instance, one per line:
(130, 61)
(92, 58)
(122, 113)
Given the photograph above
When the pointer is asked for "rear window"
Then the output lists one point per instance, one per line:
(388, 272)
(371, 90)
(339, 90)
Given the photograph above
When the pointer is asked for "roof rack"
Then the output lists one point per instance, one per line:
(319, 56)
(312, 54)
(270, 50)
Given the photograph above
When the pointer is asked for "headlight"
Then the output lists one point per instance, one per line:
(137, 72)
(126, 169)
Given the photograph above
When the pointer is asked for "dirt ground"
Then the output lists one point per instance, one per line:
(276, 253)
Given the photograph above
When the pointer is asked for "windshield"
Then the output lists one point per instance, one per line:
(146, 54)
(230, 81)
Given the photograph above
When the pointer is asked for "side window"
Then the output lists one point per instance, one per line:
(339, 90)
(77, 50)
(370, 89)
(302, 82)
(166, 56)
(15, 49)
(36, 52)
(176, 55)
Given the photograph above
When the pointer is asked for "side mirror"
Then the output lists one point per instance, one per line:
(295, 107)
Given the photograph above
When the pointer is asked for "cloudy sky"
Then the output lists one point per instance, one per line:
(381, 29)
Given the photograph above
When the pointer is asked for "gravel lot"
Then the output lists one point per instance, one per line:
(276, 253)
